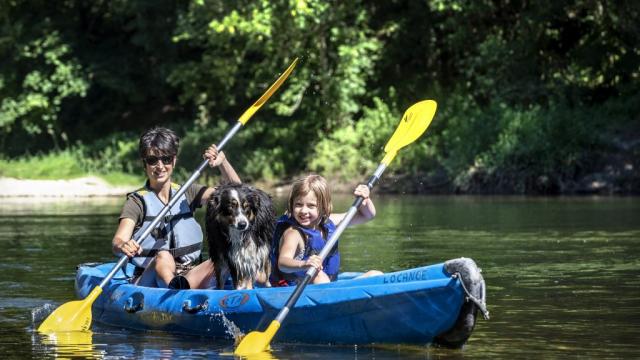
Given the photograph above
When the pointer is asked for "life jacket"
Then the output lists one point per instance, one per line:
(178, 232)
(314, 243)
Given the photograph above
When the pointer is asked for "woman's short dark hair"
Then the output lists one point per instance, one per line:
(162, 140)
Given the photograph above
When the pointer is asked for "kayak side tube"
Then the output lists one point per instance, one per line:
(471, 279)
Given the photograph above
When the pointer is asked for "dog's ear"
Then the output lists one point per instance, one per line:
(254, 198)
(214, 200)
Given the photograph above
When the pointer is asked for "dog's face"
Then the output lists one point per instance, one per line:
(240, 224)
(236, 208)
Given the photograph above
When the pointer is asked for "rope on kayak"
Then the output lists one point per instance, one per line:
(480, 303)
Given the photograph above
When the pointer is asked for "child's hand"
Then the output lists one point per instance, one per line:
(215, 158)
(314, 261)
(362, 190)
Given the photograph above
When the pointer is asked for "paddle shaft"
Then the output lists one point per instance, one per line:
(329, 245)
(123, 259)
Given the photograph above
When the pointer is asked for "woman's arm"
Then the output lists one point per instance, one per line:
(220, 160)
(122, 242)
(228, 173)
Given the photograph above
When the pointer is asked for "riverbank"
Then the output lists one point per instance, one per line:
(84, 187)
(613, 173)
(91, 186)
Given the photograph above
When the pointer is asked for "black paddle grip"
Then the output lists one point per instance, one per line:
(373, 180)
(370, 184)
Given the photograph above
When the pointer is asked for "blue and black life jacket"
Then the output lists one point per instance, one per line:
(314, 243)
(178, 232)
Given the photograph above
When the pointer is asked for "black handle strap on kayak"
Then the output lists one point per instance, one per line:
(175, 252)
(186, 306)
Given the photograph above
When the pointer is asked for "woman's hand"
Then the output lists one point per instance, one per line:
(130, 248)
(215, 158)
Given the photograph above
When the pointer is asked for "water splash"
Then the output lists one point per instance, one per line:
(38, 314)
(230, 328)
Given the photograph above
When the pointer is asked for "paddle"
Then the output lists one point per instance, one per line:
(76, 315)
(414, 122)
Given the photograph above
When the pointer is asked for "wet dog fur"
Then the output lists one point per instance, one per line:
(240, 222)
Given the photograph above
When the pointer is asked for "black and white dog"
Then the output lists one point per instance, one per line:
(240, 223)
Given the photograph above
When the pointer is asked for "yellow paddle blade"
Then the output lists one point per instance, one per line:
(414, 122)
(71, 316)
(256, 342)
(263, 99)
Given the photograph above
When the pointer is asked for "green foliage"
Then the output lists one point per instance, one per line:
(33, 101)
(60, 165)
(116, 153)
(517, 147)
(265, 162)
(354, 150)
(66, 164)
(241, 49)
(525, 89)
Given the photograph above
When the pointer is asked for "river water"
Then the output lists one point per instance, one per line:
(563, 276)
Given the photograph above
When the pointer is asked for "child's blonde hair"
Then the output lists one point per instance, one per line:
(320, 188)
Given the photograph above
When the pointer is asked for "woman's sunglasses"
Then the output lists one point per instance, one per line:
(152, 160)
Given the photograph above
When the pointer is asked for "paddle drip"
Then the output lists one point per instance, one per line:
(40, 313)
(230, 328)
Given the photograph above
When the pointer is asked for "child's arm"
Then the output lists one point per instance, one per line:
(291, 240)
(366, 211)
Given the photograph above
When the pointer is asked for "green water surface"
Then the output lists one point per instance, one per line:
(563, 275)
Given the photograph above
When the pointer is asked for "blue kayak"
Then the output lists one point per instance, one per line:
(431, 304)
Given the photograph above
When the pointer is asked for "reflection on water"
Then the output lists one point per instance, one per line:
(67, 344)
(562, 274)
(264, 355)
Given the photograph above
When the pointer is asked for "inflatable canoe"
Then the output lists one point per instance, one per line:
(431, 304)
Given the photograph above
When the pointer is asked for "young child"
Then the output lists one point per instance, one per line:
(306, 227)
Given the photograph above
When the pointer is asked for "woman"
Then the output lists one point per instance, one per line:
(168, 256)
